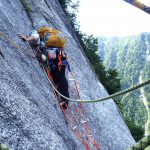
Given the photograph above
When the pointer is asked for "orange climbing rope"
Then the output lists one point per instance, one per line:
(81, 115)
(69, 117)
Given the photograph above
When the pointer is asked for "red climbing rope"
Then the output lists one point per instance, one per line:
(69, 117)
(81, 116)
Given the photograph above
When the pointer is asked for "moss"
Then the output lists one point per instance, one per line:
(3, 147)
(25, 5)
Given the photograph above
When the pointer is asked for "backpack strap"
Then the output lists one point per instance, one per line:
(62, 62)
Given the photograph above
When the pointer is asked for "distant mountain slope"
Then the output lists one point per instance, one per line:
(130, 56)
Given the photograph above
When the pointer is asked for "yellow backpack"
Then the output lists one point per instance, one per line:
(52, 37)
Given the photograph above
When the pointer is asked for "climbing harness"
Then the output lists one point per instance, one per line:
(55, 58)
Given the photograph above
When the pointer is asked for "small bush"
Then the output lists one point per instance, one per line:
(136, 131)
(25, 5)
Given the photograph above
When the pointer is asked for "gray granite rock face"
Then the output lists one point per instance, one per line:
(30, 118)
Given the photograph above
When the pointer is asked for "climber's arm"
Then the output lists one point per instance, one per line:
(25, 38)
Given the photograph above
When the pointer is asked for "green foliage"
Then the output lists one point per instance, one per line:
(25, 5)
(109, 78)
(136, 131)
(63, 4)
(129, 55)
(3, 147)
(148, 148)
(146, 75)
(112, 81)
(70, 10)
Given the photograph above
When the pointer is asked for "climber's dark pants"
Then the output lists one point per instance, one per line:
(59, 79)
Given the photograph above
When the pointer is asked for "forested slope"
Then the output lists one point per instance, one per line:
(131, 57)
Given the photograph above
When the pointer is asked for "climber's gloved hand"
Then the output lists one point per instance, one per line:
(23, 37)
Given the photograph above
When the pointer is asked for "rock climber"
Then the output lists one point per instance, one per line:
(50, 42)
